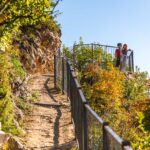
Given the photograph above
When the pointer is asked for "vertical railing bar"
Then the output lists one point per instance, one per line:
(105, 142)
(62, 83)
(85, 127)
(67, 67)
(55, 73)
(92, 53)
(129, 61)
(77, 110)
(74, 56)
(132, 61)
(126, 144)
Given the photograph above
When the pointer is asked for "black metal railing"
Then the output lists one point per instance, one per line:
(107, 56)
(92, 132)
(131, 60)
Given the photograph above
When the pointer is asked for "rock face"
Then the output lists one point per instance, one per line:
(3, 138)
(37, 48)
(7, 142)
(21, 88)
(15, 144)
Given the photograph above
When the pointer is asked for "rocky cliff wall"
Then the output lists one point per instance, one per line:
(37, 47)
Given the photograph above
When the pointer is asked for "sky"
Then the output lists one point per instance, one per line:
(108, 22)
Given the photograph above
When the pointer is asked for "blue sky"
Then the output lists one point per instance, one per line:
(108, 22)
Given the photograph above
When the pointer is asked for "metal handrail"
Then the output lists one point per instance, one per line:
(92, 132)
(109, 50)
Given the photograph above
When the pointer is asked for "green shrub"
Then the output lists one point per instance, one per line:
(17, 67)
(35, 96)
(22, 104)
(120, 101)
(7, 116)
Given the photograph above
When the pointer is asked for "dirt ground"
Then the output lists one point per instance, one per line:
(49, 126)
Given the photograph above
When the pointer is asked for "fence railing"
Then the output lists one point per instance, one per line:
(131, 60)
(92, 132)
(107, 56)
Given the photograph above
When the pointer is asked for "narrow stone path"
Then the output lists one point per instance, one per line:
(49, 126)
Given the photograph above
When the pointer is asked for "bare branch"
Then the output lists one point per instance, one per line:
(57, 2)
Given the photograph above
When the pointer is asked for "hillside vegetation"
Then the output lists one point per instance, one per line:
(119, 99)
(29, 36)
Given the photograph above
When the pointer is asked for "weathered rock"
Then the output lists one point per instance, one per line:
(3, 138)
(17, 94)
(21, 89)
(19, 113)
(37, 48)
(12, 144)
(7, 142)
(15, 144)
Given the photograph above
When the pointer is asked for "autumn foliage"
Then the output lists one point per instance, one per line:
(120, 101)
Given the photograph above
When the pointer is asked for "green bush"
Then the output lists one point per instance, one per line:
(7, 116)
(120, 101)
(17, 68)
(83, 55)
(136, 88)
(22, 104)
(117, 99)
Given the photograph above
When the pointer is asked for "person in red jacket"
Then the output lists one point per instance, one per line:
(118, 54)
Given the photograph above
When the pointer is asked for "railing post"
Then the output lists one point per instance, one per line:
(55, 73)
(129, 63)
(70, 94)
(62, 75)
(80, 120)
(74, 57)
(68, 79)
(67, 72)
(132, 61)
(92, 53)
(126, 144)
(85, 127)
(59, 52)
(71, 70)
(105, 142)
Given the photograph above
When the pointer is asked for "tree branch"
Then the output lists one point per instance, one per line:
(57, 2)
